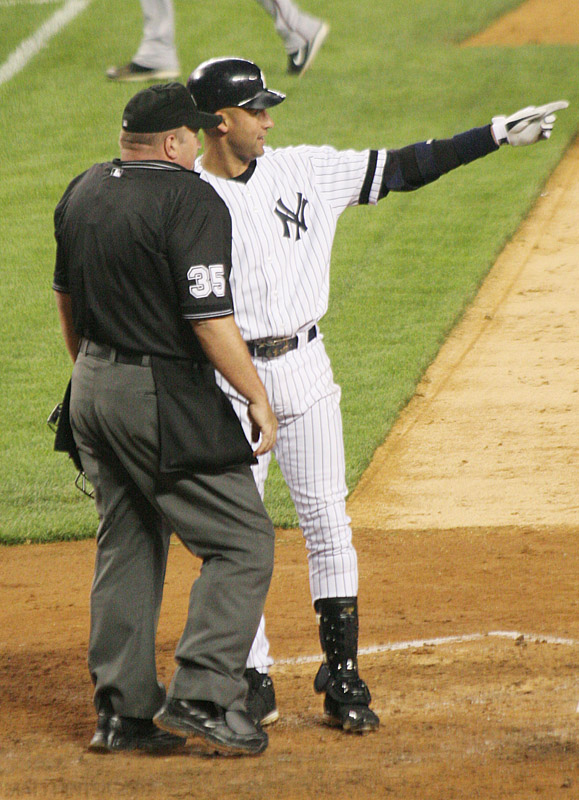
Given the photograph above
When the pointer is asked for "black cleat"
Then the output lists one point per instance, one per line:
(299, 61)
(133, 73)
(260, 701)
(347, 701)
(351, 718)
(226, 732)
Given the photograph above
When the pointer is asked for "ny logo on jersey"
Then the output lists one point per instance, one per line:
(289, 217)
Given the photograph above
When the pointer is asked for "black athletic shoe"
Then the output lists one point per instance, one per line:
(98, 743)
(133, 73)
(352, 718)
(260, 701)
(226, 732)
(299, 61)
(347, 701)
(116, 734)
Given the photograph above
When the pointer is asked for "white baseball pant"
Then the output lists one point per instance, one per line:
(310, 453)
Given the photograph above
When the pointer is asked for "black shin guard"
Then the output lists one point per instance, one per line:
(338, 628)
(347, 699)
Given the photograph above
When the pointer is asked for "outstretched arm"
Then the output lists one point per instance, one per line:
(416, 165)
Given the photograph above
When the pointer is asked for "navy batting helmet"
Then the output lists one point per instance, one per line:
(227, 82)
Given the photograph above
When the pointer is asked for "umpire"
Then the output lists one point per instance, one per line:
(142, 291)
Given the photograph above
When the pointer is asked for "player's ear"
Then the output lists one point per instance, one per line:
(225, 123)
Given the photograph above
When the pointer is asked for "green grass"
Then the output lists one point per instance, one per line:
(402, 273)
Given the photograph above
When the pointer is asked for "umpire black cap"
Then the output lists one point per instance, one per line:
(226, 82)
(163, 107)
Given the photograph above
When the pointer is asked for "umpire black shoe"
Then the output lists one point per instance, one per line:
(260, 700)
(98, 743)
(120, 734)
(299, 61)
(221, 731)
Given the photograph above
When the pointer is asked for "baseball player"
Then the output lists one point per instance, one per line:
(156, 58)
(285, 204)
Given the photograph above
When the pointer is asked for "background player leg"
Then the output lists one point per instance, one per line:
(156, 58)
(302, 34)
(157, 48)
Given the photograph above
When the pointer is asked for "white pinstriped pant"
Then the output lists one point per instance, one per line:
(310, 453)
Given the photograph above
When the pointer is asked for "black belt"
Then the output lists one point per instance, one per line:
(89, 348)
(273, 348)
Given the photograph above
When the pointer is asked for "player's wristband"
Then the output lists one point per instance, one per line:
(499, 128)
(473, 144)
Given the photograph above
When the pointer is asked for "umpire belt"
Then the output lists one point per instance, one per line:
(273, 348)
(89, 348)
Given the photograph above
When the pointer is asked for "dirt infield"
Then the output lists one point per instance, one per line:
(465, 526)
(487, 717)
(534, 22)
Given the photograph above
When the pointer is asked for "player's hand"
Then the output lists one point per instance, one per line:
(264, 425)
(527, 126)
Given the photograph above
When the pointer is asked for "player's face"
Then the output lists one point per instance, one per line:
(247, 131)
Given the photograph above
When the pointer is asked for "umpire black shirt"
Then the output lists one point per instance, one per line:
(143, 247)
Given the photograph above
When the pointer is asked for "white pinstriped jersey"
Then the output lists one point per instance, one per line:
(284, 222)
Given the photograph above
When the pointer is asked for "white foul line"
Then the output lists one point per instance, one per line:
(11, 3)
(27, 49)
(417, 643)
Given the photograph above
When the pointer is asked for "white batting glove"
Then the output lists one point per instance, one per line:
(527, 126)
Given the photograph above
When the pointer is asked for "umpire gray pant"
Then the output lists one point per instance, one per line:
(219, 518)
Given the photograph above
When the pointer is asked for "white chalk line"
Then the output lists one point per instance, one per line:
(27, 49)
(435, 642)
(11, 3)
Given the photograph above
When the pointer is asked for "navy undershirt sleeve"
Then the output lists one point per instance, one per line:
(414, 166)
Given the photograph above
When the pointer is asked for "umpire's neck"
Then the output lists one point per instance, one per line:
(178, 146)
